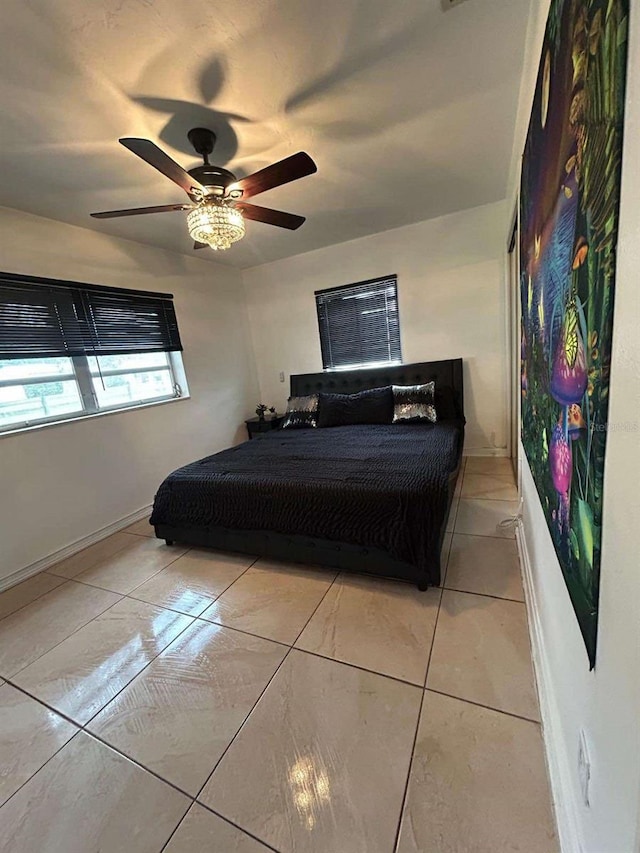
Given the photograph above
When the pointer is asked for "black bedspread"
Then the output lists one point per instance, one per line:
(383, 487)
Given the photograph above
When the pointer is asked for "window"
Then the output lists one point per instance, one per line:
(121, 380)
(69, 349)
(34, 390)
(359, 324)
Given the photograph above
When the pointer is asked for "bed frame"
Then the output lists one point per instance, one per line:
(339, 555)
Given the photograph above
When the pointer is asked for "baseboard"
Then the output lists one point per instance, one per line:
(556, 754)
(69, 550)
(486, 451)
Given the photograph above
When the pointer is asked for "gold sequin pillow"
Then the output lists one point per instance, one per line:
(414, 403)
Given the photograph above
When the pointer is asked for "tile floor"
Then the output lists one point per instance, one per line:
(165, 699)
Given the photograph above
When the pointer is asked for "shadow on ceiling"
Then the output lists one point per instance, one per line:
(185, 115)
(371, 39)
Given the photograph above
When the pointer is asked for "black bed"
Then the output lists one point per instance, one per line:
(367, 498)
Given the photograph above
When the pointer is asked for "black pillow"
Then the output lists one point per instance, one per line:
(301, 412)
(447, 406)
(374, 406)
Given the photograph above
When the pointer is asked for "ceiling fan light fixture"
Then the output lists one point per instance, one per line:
(216, 223)
(217, 215)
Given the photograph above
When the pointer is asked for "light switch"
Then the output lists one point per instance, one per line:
(281, 376)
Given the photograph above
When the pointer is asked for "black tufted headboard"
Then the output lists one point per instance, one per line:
(448, 372)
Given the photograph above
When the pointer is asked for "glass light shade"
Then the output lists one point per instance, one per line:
(217, 223)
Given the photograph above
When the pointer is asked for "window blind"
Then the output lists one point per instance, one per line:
(42, 317)
(359, 323)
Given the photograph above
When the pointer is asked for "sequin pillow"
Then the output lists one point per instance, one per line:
(301, 412)
(413, 403)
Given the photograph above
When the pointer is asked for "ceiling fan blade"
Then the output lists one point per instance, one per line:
(271, 217)
(290, 169)
(135, 211)
(156, 157)
(197, 245)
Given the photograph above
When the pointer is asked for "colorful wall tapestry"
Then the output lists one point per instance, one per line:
(569, 199)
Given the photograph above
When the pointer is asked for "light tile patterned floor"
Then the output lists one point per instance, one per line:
(165, 699)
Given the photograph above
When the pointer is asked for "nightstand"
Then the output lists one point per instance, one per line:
(255, 425)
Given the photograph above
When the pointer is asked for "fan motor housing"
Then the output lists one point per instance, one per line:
(213, 176)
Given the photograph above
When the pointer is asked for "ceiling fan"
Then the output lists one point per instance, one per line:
(217, 208)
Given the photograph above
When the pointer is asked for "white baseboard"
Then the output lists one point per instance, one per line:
(69, 550)
(486, 451)
(556, 754)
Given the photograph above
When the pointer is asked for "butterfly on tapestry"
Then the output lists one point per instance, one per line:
(569, 200)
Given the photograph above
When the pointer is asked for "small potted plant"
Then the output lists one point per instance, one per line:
(261, 408)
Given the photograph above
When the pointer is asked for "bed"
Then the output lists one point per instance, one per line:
(366, 498)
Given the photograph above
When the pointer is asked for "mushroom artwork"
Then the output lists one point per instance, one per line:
(561, 464)
(575, 422)
(569, 369)
(568, 229)
(568, 385)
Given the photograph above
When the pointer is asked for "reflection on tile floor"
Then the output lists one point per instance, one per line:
(328, 750)
(236, 706)
(272, 600)
(180, 714)
(88, 669)
(29, 735)
(133, 565)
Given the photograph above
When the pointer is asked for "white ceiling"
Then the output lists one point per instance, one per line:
(407, 109)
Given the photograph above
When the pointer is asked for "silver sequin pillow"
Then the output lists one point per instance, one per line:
(301, 412)
(414, 403)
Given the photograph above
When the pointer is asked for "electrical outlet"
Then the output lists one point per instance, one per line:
(584, 767)
(281, 376)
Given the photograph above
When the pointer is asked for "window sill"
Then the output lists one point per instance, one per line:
(85, 417)
(374, 365)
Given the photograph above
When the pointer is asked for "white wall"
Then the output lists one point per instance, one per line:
(605, 702)
(451, 299)
(64, 482)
